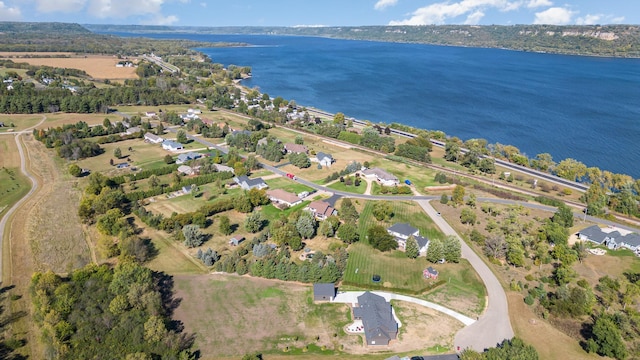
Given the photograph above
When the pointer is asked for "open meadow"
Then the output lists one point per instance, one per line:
(233, 315)
(97, 66)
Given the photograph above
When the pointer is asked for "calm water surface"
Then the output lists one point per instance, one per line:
(580, 107)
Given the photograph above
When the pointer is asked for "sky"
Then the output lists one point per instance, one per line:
(323, 12)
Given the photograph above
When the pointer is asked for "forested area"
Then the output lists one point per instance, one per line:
(104, 312)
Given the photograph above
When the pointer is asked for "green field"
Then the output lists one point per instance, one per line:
(287, 185)
(395, 269)
(13, 186)
(403, 212)
(340, 186)
(271, 212)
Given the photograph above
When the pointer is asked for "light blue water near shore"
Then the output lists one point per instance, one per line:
(585, 108)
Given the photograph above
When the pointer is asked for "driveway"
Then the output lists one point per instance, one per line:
(493, 326)
(351, 297)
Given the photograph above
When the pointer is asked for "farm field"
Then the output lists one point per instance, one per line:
(143, 155)
(97, 66)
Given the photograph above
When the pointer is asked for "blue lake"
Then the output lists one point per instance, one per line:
(585, 108)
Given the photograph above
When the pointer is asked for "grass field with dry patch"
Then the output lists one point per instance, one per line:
(97, 66)
(13, 184)
(234, 315)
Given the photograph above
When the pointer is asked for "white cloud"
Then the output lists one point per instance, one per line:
(589, 19)
(617, 20)
(554, 16)
(203, 4)
(381, 4)
(124, 8)
(8, 13)
(474, 18)
(438, 13)
(66, 6)
(161, 20)
(538, 3)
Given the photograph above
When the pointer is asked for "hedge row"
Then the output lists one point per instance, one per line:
(144, 174)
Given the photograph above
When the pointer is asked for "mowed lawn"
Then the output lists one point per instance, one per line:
(13, 184)
(233, 315)
(21, 121)
(394, 268)
(143, 155)
(287, 185)
(341, 186)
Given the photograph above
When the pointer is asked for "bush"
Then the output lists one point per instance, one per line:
(75, 170)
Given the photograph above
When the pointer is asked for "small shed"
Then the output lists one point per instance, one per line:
(430, 273)
(187, 189)
(324, 291)
(236, 240)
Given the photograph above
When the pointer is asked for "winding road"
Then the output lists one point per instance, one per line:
(34, 187)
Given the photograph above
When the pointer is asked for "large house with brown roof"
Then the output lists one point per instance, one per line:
(292, 148)
(321, 209)
(283, 197)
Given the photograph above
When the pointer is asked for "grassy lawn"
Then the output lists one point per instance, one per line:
(271, 212)
(403, 212)
(395, 269)
(340, 186)
(144, 156)
(287, 185)
(263, 315)
(13, 186)
(20, 121)
(168, 256)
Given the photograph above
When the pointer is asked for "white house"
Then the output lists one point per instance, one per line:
(382, 176)
(172, 145)
(150, 114)
(248, 184)
(153, 138)
(321, 209)
(402, 232)
(283, 197)
(323, 159)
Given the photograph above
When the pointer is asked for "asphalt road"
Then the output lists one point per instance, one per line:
(493, 326)
(34, 186)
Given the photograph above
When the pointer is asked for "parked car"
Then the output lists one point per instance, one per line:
(291, 176)
(408, 182)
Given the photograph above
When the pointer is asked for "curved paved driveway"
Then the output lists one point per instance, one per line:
(494, 325)
(351, 297)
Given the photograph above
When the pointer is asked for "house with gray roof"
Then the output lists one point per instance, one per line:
(183, 158)
(248, 184)
(403, 231)
(153, 138)
(172, 145)
(611, 239)
(323, 159)
(380, 326)
(383, 177)
(324, 291)
(592, 233)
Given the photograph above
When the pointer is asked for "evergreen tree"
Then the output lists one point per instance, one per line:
(607, 339)
(452, 249)
(193, 237)
(117, 153)
(412, 249)
(254, 222)
(306, 225)
(181, 137)
(225, 225)
(435, 252)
